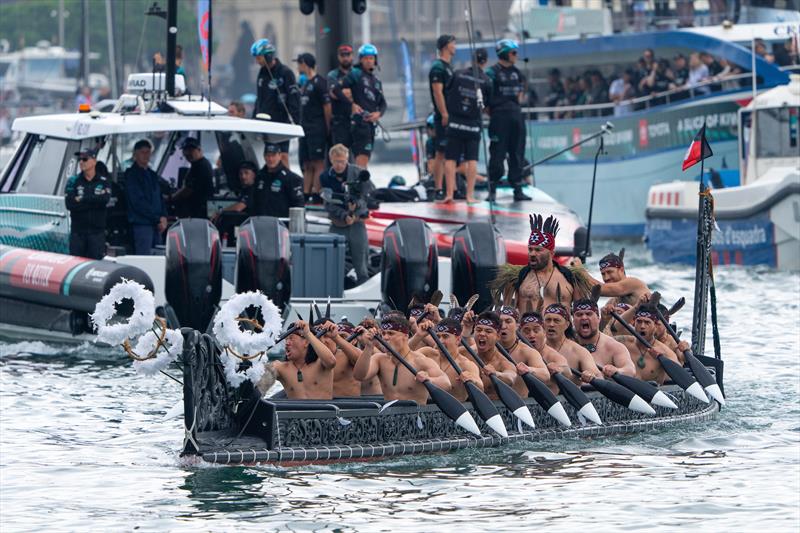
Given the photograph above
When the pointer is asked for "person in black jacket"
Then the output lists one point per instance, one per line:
(191, 200)
(277, 188)
(316, 120)
(340, 108)
(277, 93)
(86, 196)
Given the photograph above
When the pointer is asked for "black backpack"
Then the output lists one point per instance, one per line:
(461, 97)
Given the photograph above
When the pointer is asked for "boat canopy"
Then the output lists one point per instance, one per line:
(627, 48)
(78, 126)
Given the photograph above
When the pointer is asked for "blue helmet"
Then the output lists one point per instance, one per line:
(262, 47)
(367, 50)
(504, 46)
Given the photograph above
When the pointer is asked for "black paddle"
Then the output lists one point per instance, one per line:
(675, 371)
(507, 395)
(574, 395)
(618, 394)
(699, 370)
(486, 409)
(643, 388)
(539, 391)
(449, 405)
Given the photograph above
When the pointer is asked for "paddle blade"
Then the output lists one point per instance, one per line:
(715, 392)
(486, 409)
(614, 392)
(662, 400)
(575, 396)
(590, 413)
(642, 388)
(700, 371)
(560, 414)
(539, 391)
(682, 378)
(640, 406)
(512, 401)
(452, 408)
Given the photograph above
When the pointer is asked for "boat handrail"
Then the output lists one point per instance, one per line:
(28, 211)
(639, 99)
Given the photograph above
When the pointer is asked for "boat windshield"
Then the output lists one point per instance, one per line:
(778, 132)
(42, 69)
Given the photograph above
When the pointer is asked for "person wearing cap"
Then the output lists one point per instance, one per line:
(506, 126)
(340, 108)
(277, 94)
(439, 78)
(191, 200)
(146, 211)
(229, 217)
(315, 113)
(364, 91)
(277, 188)
(86, 196)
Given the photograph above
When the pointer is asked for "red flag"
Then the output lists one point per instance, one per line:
(698, 150)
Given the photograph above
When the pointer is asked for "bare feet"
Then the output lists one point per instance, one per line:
(472, 201)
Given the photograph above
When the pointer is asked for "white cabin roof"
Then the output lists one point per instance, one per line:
(783, 95)
(85, 125)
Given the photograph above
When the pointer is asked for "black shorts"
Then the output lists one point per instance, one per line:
(461, 146)
(313, 145)
(340, 131)
(440, 141)
(363, 138)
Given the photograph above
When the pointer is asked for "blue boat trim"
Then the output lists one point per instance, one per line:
(68, 280)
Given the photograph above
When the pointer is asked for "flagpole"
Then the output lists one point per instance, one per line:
(210, 46)
(702, 153)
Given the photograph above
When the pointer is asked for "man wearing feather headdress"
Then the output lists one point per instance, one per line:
(533, 286)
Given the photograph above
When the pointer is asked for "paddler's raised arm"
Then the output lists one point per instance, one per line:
(367, 367)
(326, 357)
(433, 373)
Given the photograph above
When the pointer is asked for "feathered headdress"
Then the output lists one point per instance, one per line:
(543, 232)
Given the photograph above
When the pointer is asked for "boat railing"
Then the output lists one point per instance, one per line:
(650, 100)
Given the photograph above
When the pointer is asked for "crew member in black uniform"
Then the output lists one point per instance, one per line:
(464, 100)
(191, 200)
(340, 107)
(86, 195)
(277, 93)
(315, 116)
(506, 125)
(365, 92)
(228, 218)
(439, 78)
(277, 188)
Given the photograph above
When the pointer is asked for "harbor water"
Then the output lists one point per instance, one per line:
(85, 442)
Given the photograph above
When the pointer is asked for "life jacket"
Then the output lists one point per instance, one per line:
(464, 102)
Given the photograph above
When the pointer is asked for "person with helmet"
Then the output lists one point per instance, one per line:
(340, 108)
(439, 79)
(277, 94)
(506, 125)
(315, 112)
(365, 93)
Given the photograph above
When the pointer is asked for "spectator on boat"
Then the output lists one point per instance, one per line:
(191, 200)
(237, 109)
(657, 81)
(84, 97)
(787, 54)
(179, 61)
(714, 68)
(345, 192)
(439, 78)
(598, 92)
(560, 335)
(86, 197)
(555, 89)
(729, 70)
(225, 219)
(532, 328)
(449, 332)
(648, 367)
(507, 130)
(610, 355)
(340, 107)
(315, 113)
(146, 211)
(760, 47)
(679, 76)
(307, 372)
(276, 188)
(365, 92)
(622, 89)
(397, 382)
(698, 74)
(277, 93)
(527, 359)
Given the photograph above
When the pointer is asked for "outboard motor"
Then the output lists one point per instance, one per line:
(478, 249)
(409, 262)
(580, 241)
(194, 271)
(263, 251)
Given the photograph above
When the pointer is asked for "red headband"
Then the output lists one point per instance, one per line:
(540, 238)
(344, 327)
(452, 329)
(644, 313)
(585, 305)
(391, 325)
(557, 309)
(531, 319)
(488, 323)
(510, 311)
(611, 260)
